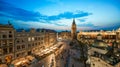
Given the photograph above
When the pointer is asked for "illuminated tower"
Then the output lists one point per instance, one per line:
(73, 30)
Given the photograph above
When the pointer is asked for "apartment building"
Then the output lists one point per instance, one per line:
(50, 37)
(28, 41)
(6, 43)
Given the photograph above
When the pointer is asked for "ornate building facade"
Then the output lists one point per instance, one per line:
(33, 40)
(64, 35)
(50, 37)
(27, 41)
(6, 43)
(20, 43)
(106, 36)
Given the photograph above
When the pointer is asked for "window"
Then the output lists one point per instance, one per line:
(0, 43)
(10, 36)
(4, 36)
(10, 50)
(93, 64)
(38, 38)
(29, 39)
(10, 31)
(23, 46)
(35, 38)
(4, 42)
(18, 47)
(4, 50)
(0, 36)
(41, 38)
(29, 45)
(32, 44)
(18, 41)
(0, 51)
(32, 38)
(10, 40)
(41, 42)
(22, 41)
(36, 44)
(10, 44)
(17, 55)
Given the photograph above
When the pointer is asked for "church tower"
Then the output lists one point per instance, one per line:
(73, 30)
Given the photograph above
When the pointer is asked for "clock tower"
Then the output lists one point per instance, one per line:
(73, 30)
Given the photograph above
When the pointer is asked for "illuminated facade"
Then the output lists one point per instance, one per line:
(20, 43)
(106, 36)
(64, 35)
(50, 37)
(6, 43)
(27, 41)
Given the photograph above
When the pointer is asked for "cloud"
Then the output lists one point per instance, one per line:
(82, 20)
(68, 15)
(86, 25)
(9, 10)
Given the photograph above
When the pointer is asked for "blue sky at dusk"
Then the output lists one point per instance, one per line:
(59, 14)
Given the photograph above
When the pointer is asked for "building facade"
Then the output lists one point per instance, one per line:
(28, 41)
(6, 43)
(64, 35)
(20, 43)
(69, 35)
(50, 37)
(106, 36)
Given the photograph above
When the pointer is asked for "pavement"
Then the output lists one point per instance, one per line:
(49, 61)
(63, 57)
(97, 62)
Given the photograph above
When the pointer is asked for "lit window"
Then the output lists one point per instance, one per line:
(32, 38)
(29, 39)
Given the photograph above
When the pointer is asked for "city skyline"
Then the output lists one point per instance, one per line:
(59, 14)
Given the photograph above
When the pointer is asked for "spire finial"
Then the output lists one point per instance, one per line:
(73, 20)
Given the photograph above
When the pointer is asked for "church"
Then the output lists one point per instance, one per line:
(73, 30)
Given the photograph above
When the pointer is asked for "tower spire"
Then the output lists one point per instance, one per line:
(73, 30)
(73, 21)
